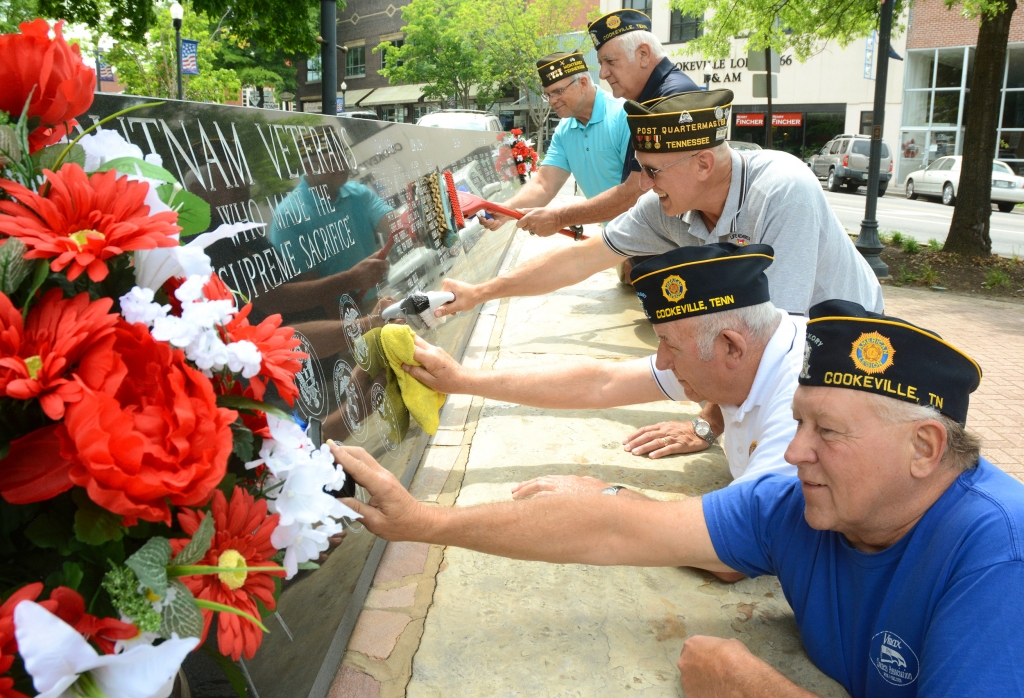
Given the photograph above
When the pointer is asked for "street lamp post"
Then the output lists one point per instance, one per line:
(344, 88)
(177, 12)
(867, 242)
(329, 57)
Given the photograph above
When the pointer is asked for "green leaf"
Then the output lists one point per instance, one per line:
(227, 485)
(71, 576)
(238, 402)
(46, 159)
(136, 166)
(94, 525)
(243, 441)
(197, 547)
(309, 565)
(223, 608)
(49, 531)
(39, 275)
(194, 215)
(181, 614)
(234, 674)
(13, 265)
(149, 563)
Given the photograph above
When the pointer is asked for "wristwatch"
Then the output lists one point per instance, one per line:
(613, 490)
(702, 429)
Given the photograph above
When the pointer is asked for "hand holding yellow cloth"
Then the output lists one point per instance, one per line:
(423, 403)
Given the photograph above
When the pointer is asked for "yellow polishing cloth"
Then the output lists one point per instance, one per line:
(424, 403)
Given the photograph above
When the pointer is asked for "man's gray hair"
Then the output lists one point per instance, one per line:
(963, 449)
(631, 42)
(756, 322)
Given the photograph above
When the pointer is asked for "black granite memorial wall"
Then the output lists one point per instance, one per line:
(355, 216)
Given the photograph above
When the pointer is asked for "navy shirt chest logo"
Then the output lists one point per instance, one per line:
(895, 661)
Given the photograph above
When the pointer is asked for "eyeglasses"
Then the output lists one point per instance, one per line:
(555, 94)
(653, 173)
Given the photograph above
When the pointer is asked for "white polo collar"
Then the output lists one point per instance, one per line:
(774, 355)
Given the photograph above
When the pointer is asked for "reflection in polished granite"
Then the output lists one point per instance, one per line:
(355, 216)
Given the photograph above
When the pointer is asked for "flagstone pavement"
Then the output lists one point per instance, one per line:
(450, 622)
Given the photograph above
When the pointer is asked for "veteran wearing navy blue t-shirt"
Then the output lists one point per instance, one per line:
(898, 547)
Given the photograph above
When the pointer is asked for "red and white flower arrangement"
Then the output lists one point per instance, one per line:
(521, 157)
(145, 485)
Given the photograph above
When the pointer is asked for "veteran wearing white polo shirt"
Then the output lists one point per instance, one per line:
(721, 340)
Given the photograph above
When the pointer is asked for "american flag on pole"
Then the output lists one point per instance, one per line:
(189, 64)
(106, 72)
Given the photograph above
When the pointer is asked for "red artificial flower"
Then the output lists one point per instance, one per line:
(84, 220)
(36, 468)
(60, 83)
(241, 539)
(516, 132)
(256, 423)
(104, 632)
(63, 338)
(159, 439)
(521, 168)
(277, 347)
(8, 643)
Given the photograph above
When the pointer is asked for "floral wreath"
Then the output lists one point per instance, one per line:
(520, 155)
(146, 485)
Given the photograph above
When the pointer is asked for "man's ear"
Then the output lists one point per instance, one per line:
(736, 347)
(929, 441)
(643, 54)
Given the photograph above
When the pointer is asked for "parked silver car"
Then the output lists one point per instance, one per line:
(843, 162)
(942, 179)
(461, 118)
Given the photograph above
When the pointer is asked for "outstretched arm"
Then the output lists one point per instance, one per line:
(600, 209)
(595, 529)
(560, 268)
(576, 383)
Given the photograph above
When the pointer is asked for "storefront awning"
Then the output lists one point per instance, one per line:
(396, 94)
(352, 97)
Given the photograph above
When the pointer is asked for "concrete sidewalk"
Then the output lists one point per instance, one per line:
(450, 622)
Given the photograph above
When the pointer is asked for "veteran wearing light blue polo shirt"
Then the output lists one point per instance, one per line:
(590, 143)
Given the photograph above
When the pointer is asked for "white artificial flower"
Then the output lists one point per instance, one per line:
(154, 159)
(137, 306)
(63, 665)
(208, 352)
(205, 315)
(191, 289)
(174, 330)
(105, 145)
(300, 473)
(244, 357)
(154, 267)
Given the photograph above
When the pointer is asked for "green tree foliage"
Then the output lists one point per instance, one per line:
(525, 32)
(258, 68)
(969, 229)
(290, 26)
(798, 25)
(446, 47)
(148, 67)
(14, 12)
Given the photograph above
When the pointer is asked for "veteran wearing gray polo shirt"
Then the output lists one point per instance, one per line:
(700, 191)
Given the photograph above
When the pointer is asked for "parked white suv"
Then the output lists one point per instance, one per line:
(461, 118)
(942, 179)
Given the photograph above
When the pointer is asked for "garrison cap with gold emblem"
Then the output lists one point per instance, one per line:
(702, 279)
(556, 66)
(604, 29)
(850, 347)
(679, 122)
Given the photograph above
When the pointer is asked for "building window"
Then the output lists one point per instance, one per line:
(395, 114)
(684, 28)
(355, 62)
(313, 70)
(867, 120)
(395, 44)
(642, 5)
(417, 112)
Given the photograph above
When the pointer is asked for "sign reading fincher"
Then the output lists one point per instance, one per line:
(778, 119)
